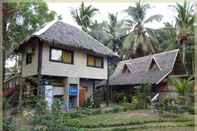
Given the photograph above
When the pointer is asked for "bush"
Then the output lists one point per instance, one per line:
(9, 124)
(191, 110)
(41, 107)
(128, 106)
(57, 105)
(89, 102)
(116, 109)
(75, 114)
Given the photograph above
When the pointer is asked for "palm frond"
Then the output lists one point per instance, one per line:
(153, 18)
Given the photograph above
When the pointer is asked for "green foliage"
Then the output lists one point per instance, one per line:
(143, 95)
(89, 102)
(23, 18)
(41, 106)
(183, 86)
(137, 39)
(116, 109)
(9, 124)
(57, 105)
(83, 16)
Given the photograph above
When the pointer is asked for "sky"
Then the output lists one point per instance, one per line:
(165, 9)
(63, 8)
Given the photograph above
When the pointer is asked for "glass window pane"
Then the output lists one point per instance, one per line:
(91, 61)
(67, 57)
(99, 62)
(56, 54)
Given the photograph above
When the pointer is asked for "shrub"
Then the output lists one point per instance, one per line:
(128, 106)
(41, 107)
(191, 110)
(9, 124)
(75, 114)
(89, 102)
(57, 105)
(116, 109)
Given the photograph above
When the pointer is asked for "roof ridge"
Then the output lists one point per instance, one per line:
(151, 55)
(45, 27)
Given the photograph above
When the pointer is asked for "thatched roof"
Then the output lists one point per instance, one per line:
(64, 35)
(139, 69)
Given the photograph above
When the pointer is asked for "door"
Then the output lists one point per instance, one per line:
(82, 96)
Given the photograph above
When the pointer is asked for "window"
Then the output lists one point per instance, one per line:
(56, 54)
(28, 58)
(94, 61)
(60, 55)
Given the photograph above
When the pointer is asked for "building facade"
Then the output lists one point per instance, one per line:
(66, 61)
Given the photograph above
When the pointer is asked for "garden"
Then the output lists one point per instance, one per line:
(142, 114)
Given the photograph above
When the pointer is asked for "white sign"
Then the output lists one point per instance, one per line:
(49, 95)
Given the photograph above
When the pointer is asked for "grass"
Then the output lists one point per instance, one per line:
(125, 119)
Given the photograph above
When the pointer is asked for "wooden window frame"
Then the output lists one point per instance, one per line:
(27, 56)
(95, 57)
(61, 61)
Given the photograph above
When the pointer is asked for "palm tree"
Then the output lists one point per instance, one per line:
(184, 24)
(166, 36)
(116, 32)
(138, 38)
(83, 16)
(183, 86)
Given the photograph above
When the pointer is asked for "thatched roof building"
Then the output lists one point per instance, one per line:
(62, 35)
(148, 69)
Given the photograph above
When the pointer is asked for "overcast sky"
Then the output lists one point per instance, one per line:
(164, 9)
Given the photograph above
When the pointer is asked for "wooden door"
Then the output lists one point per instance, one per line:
(82, 96)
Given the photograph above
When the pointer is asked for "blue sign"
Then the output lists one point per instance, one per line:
(73, 91)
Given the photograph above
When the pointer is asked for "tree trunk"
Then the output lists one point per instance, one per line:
(184, 52)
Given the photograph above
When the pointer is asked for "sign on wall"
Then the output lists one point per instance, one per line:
(49, 95)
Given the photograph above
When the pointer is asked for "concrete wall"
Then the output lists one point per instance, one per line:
(77, 70)
(30, 69)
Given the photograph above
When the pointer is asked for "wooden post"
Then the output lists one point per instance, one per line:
(1, 65)
(20, 93)
(107, 83)
(40, 90)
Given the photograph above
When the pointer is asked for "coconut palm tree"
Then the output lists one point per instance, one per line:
(184, 24)
(115, 32)
(138, 38)
(83, 16)
(166, 36)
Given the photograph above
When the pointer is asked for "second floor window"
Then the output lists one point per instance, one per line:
(60, 55)
(94, 61)
(28, 58)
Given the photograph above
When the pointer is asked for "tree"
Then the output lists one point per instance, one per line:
(83, 16)
(184, 25)
(138, 38)
(116, 32)
(183, 86)
(166, 36)
(20, 19)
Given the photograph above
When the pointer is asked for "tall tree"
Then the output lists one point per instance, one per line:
(138, 39)
(116, 32)
(166, 37)
(20, 19)
(83, 16)
(184, 25)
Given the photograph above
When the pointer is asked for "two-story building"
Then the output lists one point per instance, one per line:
(67, 60)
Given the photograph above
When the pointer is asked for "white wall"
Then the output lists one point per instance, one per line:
(30, 69)
(79, 69)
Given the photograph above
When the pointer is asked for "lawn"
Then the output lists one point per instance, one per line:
(130, 120)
